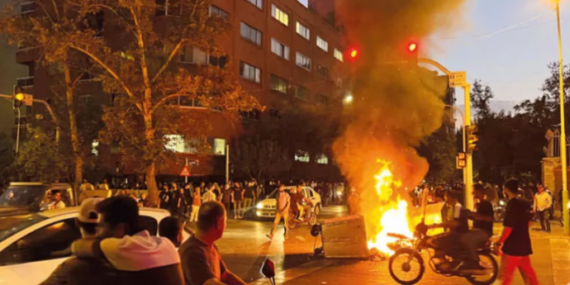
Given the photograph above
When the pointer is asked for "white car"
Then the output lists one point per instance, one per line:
(33, 245)
(266, 208)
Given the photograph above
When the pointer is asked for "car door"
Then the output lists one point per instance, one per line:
(32, 257)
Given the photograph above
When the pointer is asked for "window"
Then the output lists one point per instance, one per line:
(50, 242)
(27, 7)
(338, 54)
(193, 55)
(220, 61)
(302, 156)
(251, 115)
(168, 7)
(279, 49)
(322, 44)
(258, 3)
(303, 61)
(279, 15)
(279, 84)
(338, 82)
(303, 31)
(177, 143)
(216, 11)
(84, 99)
(322, 99)
(251, 34)
(322, 159)
(304, 3)
(301, 92)
(250, 72)
(322, 72)
(219, 147)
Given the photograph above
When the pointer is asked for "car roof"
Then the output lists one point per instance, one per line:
(72, 210)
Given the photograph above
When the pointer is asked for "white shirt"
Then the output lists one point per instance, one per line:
(208, 196)
(542, 201)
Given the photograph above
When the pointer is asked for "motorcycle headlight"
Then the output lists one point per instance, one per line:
(259, 206)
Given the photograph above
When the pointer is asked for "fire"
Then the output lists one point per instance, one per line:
(394, 216)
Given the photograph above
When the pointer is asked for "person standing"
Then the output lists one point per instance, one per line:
(515, 243)
(178, 202)
(209, 196)
(238, 201)
(227, 198)
(250, 196)
(281, 211)
(202, 263)
(482, 228)
(104, 185)
(164, 197)
(195, 205)
(542, 205)
(86, 186)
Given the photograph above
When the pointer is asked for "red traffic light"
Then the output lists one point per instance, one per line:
(353, 53)
(413, 47)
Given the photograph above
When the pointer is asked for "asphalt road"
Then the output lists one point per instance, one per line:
(245, 246)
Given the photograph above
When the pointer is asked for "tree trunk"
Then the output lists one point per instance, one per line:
(151, 185)
(149, 135)
(74, 136)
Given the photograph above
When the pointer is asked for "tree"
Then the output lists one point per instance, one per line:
(440, 152)
(480, 99)
(144, 73)
(50, 33)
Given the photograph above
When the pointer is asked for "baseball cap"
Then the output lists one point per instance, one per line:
(87, 212)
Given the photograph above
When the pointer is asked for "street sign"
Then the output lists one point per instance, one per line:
(458, 79)
(193, 162)
(185, 171)
(28, 99)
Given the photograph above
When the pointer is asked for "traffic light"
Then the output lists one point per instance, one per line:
(17, 97)
(472, 139)
(412, 49)
(353, 53)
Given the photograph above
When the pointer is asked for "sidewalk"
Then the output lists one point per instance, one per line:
(550, 260)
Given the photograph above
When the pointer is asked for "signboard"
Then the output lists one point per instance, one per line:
(193, 162)
(185, 171)
(458, 79)
(28, 99)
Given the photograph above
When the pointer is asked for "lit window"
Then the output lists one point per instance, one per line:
(216, 11)
(95, 147)
(251, 34)
(303, 61)
(302, 156)
(279, 84)
(250, 72)
(219, 147)
(303, 31)
(322, 159)
(279, 15)
(338, 54)
(177, 143)
(322, 44)
(279, 49)
(301, 92)
(258, 3)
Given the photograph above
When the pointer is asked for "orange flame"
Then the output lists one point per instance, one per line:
(394, 217)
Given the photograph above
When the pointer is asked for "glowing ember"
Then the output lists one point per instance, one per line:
(394, 216)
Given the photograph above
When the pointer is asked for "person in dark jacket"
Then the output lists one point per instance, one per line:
(88, 270)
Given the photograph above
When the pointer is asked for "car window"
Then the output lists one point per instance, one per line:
(149, 224)
(308, 192)
(49, 242)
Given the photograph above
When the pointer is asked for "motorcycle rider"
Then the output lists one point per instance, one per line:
(297, 199)
(294, 203)
(454, 221)
(482, 228)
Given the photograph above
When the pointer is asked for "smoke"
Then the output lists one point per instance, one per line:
(394, 106)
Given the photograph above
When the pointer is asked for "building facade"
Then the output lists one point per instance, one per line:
(281, 50)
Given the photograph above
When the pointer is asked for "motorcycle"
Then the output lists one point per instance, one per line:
(309, 217)
(407, 265)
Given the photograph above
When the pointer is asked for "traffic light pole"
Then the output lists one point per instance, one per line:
(18, 131)
(468, 170)
(50, 111)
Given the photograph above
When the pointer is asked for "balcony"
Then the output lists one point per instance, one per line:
(25, 81)
(27, 7)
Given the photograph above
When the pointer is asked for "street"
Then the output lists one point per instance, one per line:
(245, 246)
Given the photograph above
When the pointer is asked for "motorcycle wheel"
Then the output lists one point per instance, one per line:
(292, 223)
(312, 219)
(406, 266)
(488, 261)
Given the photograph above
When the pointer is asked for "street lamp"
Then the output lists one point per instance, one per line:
(563, 159)
(348, 99)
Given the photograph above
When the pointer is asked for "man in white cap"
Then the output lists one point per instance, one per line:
(86, 271)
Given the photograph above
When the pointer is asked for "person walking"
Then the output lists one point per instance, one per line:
(195, 205)
(542, 205)
(281, 211)
(514, 243)
(250, 196)
(238, 201)
(202, 263)
(227, 198)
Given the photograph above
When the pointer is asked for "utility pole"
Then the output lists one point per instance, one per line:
(227, 163)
